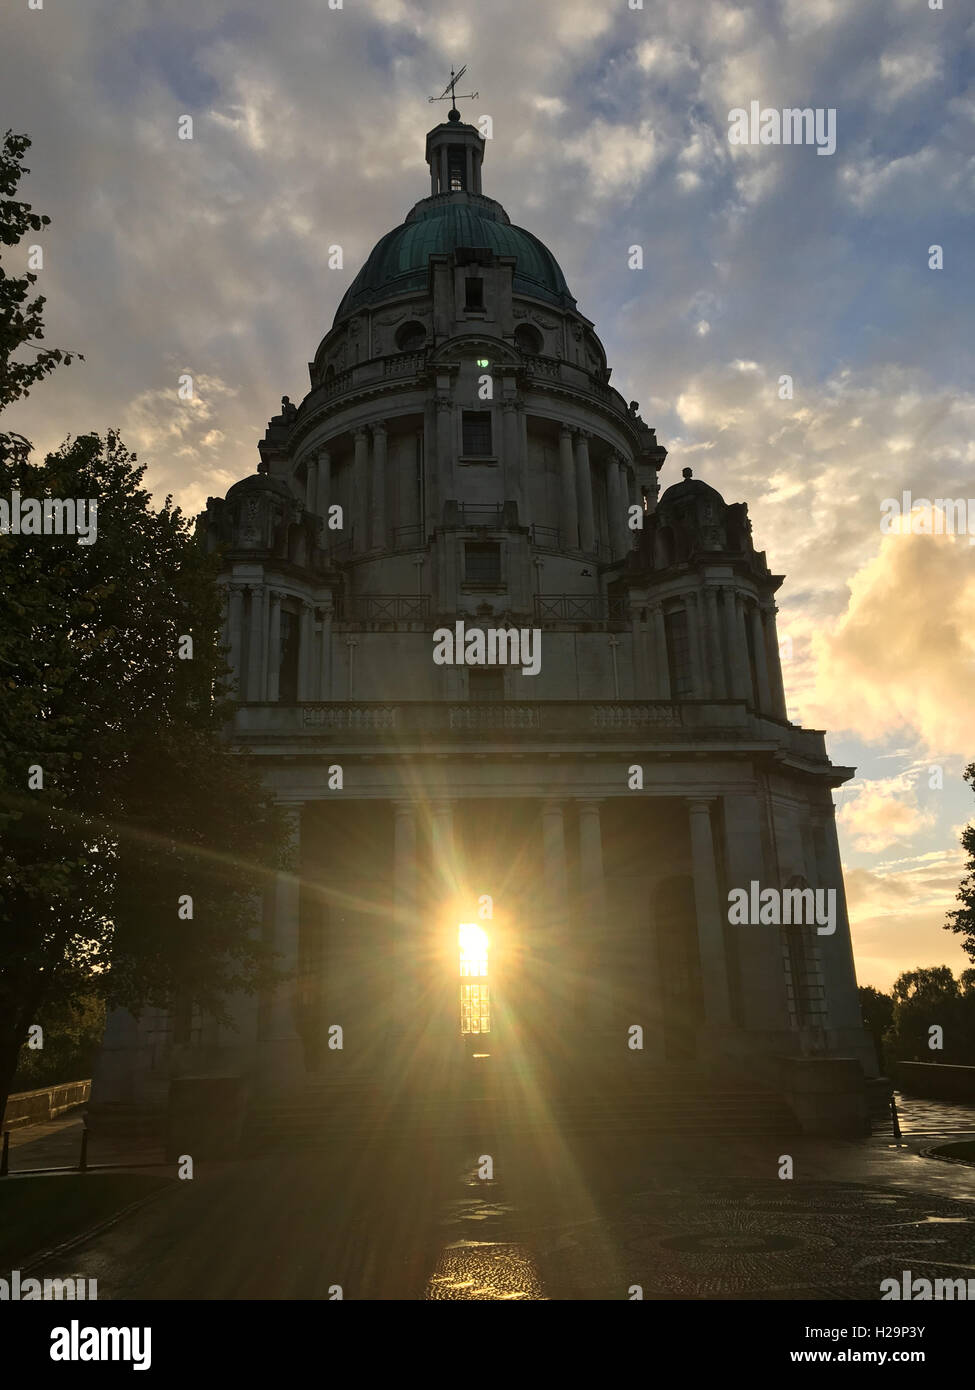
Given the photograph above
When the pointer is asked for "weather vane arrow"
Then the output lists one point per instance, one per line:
(449, 91)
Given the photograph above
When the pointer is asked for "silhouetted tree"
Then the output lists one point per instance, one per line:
(877, 1012)
(119, 798)
(962, 919)
(931, 997)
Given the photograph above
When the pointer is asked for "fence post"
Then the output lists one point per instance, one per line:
(5, 1154)
(83, 1161)
(894, 1119)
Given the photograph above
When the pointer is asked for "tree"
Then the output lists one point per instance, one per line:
(877, 1011)
(931, 997)
(134, 841)
(962, 919)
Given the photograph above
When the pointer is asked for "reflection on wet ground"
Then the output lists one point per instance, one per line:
(544, 1216)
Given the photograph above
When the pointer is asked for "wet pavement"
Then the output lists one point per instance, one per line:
(557, 1219)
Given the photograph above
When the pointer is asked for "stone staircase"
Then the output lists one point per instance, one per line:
(680, 1101)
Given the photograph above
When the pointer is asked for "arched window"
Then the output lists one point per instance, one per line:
(528, 339)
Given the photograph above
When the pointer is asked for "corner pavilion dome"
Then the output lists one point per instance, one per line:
(399, 262)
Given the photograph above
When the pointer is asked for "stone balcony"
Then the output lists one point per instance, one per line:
(687, 727)
(407, 366)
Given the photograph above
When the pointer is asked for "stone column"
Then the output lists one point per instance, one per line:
(513, 469)
(360, 485)
(836, 951)
(446, 488)
(256, 665)
(751, 695)
(692, 608)
(405, 948)
(324, 477)
(587, 516)
(590, 956)
(661, 680)
(710, 917)
(351, 643)
(568, 508)
(551, 931)
(716, 679)
(274, 647)
(235, 632)
(616, 521)
(378, 513)
(737, 658)
(281, 1049)
(324, 691)
(764, 1006)
(311, 485)
(774, 664)
(764, 692)
(305, 667)
(444, 865)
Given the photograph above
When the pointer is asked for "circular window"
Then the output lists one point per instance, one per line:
(528, 338)
(410, 336)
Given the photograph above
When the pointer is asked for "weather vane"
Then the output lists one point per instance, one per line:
(449, 91)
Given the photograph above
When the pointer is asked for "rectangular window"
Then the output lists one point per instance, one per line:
(482, 562)
(678, 653)
(486, 685)
(477, 434)
(475, 1009)
(473, 292)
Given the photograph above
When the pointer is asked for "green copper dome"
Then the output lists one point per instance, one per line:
(399, 263)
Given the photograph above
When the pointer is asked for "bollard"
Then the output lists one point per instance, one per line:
(894, 1120)
(5, 1154)
(83, 1161)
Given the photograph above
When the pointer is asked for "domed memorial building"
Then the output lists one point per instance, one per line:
(550, 818)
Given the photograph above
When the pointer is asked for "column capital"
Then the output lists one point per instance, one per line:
(583, 436)
(589, 803)
(700, 805)
(378, 427)
(565, 431)
(552, 806)
(360, 434)
(277, 595)
(324, 452)
(443, 403)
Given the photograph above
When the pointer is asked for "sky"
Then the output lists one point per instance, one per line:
(610, 129)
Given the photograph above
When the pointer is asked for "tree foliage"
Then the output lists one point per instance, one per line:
(962, 919)
(927, 998)
(140, 805)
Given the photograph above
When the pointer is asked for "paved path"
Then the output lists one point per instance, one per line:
(400, 1221)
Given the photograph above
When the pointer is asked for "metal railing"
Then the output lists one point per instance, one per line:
(579, 608)
(382, 608)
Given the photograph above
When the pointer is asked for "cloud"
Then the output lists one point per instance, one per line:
(902, 656)
(883, 813)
